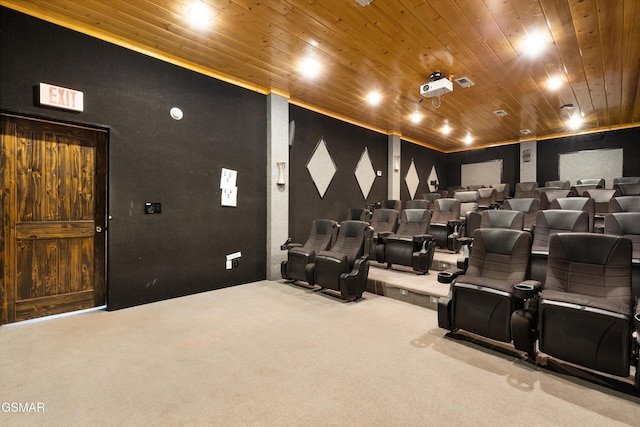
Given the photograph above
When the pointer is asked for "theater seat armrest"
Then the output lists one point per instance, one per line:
(382, 237)
(449, 275)
(419, 239)
(288, 245)
(527, 289)
(464, 241)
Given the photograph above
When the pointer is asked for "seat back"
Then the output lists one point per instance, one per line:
(548, 196)
(414, 222)
(625, 180)
(431, 197)
(552, 221)
(322, 235)
(350, 241)
(384, 220)
(499, 254)
(598, 182)
(601, 198)
(595, 266)
(513, 220)
(576, 203)
(468, 201)
(487, 197)
(502, 191)
(445, 210)
(392, 204)
(417, 204)
(624, 204)
(625, 224)
(359, 214)
(629, 188)
(525, 190)
(560, 185)
(528, 206)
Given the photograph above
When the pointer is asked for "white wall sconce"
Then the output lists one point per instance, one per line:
(396, 163)
(280, 182)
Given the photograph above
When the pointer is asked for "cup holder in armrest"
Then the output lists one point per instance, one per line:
(524, 291)
(447, 276)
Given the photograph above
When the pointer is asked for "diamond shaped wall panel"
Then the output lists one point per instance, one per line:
(365, 173)
(412, 180)
(321, 167)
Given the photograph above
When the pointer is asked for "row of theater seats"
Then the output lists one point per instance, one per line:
(565, 292)
(334, 257)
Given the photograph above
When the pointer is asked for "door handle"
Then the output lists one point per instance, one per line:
(98, 229)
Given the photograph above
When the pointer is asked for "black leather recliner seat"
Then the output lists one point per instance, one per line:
(585, 313)
(345, 267)
(529, 206)
(481, 300)
(445, 219)
(550, 222)
(322, 236)
(411, 245)
(577, 204)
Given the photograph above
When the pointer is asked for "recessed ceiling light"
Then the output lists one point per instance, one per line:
(199, 14)
(416, 117)
(310, 68)
(575, 121)
(446, 129)
(374, 98)
(554, 83)
(468, 139)
(534, 45)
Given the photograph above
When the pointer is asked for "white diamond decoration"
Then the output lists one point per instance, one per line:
(365, 174)
(321, 167)
(412, 180)
(433, 176)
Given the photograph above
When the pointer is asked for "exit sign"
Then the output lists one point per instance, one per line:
(61, 97)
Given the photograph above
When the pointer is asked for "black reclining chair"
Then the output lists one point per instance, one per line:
(391, 204)
(322, 236)
(627, 224)
(629, 188)
(528, 206)
(550, 222)
(513, 220)
(359, 214)
(445, 220)
(383, 222)
(487, 198)
(481, 300)
(585, 317)
(624, 204)
(577, 204)
(502, 192)
(525, 190)
(546, 197)
(411, 245)
(345, 267)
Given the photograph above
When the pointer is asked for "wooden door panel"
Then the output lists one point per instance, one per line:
(53, 259)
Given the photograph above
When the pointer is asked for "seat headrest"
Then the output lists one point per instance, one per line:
(502, 218)
(626, 203)
(324, 226)
(414, 215)
(446, 204)
(589, 248)
(466, 196)
(563, 219)
(522, 205)
(385, 214)
(352, 228)
(628, 222)
(571, 203)
(499, 240)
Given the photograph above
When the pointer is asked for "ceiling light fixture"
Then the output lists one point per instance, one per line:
(416, 118)
(310, 68)
(554, 83)
(468, 139)
(446, 129)
(374, 98)
(575, 121)
(199, 14)
(534, 45)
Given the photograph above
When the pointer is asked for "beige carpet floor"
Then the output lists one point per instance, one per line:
(275, 354)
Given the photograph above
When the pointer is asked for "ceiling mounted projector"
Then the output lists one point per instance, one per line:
(436, 88)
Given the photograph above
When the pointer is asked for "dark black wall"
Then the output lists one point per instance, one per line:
(510, 155)
(345, 143)
(153, 158)
(424, 160)
(549, 151)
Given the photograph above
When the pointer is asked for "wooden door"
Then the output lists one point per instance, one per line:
(52, 253)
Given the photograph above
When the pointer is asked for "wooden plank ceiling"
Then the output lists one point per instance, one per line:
(393, 46)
